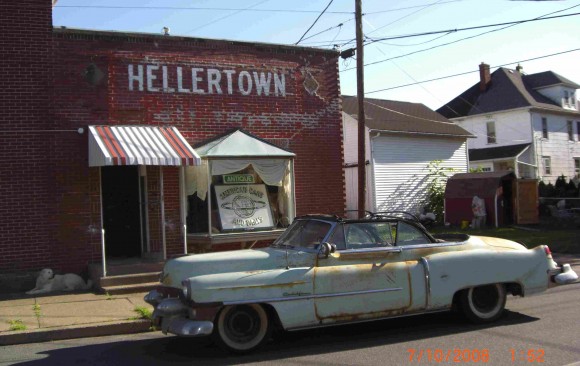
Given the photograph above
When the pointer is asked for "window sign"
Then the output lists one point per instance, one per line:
(239, 179)
(244, 207)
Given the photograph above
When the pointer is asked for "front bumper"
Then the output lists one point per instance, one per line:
(174, 316)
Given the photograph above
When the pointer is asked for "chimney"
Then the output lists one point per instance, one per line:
(520, 69)
(484, 76)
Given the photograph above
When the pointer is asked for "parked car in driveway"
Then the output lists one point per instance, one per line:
(327, 270)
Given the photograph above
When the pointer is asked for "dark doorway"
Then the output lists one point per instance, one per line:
(121, 216)
(508, 210)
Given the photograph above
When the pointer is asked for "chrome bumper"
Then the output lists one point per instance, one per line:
(564, 275)
(174, 316)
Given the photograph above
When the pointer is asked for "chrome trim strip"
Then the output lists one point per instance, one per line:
(434, 311)
(372, 250)
(432, 245)
(427, 282)
(309, 297)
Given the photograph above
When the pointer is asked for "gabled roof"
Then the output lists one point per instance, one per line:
(548, 78)
(240, 144)
(501, 152)
(508, 89)
(405, 117)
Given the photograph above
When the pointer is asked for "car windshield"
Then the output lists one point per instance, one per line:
(304, 233)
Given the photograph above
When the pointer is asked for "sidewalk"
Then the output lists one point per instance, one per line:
(67, 316)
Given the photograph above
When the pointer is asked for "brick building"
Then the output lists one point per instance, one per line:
(85, 115)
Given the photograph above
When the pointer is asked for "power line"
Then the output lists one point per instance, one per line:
(226, 16)
(197, 8)
(308, 30)
(458, 40)
(469, 72)
(329, 29)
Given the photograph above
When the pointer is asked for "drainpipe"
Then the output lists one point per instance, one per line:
(495, 207)
(102, 228)
(162, 208)
(183, 200)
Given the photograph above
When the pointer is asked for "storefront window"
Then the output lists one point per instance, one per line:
(239, 195)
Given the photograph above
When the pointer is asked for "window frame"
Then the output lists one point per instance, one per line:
(547, 168)
(491, 133)
(545, 133)
(577, 167)
(570, 127)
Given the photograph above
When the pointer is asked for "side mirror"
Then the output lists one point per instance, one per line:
(326, 249)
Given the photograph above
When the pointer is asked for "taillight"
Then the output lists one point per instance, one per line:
(547, 250)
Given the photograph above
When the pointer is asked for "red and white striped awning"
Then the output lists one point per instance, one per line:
(139, 145)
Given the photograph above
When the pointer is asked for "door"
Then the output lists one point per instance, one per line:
(526, 202)
(368, 278)
(121, 215)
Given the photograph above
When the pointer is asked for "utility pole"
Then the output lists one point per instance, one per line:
(360, 93)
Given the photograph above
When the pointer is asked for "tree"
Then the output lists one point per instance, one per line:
(436, 183)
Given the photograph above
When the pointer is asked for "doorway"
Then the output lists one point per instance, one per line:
(121, 213)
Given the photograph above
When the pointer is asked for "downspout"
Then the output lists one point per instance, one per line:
(373, 184)
(102, 227)
(209, 197)
(495, 207)
(183, 200)
(162, 208)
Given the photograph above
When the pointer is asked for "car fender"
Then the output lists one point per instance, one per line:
(454, 271)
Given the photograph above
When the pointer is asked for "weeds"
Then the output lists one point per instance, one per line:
(16, 324)
(143, 313)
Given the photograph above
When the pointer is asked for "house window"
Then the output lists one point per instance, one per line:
(566, 98)
(547, 165)
(486, 169)
(570, 131)
(578, 130)
(577, 167)
(491, 133)
(544, 128)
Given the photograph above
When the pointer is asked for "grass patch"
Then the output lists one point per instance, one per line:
(143, 313)
(559, 241)
(16, 324)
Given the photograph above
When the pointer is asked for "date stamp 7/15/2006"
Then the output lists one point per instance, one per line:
(458, 355)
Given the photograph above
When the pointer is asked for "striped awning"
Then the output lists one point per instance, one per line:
(139, 145)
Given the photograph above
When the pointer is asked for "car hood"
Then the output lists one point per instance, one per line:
(258, 260)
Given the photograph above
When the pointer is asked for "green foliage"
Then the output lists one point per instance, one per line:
(36, 309)
(479, 169)
(437, 180)
(143, 312)
(16, 324)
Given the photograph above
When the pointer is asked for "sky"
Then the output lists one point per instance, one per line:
(397, 62)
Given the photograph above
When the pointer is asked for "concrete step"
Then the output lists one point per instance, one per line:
(130, 289)
(129, 279)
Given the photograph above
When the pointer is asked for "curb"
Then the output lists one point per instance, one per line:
(75, 331)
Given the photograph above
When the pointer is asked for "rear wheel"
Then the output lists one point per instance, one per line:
(483, 304)
(242, 328)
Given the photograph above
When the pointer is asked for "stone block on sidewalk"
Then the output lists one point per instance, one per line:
(85, 312)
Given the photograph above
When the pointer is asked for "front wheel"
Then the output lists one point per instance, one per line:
(242, 328)
(483, 304)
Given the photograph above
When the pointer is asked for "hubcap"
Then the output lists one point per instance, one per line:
(242, 324)
(485, 298)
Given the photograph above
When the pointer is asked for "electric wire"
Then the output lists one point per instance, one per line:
(309, 28)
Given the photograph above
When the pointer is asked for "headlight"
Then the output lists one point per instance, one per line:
(185, 288)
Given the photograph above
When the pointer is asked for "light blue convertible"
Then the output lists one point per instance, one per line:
(327, 270)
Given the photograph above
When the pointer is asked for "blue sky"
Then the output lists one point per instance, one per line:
(284, 22)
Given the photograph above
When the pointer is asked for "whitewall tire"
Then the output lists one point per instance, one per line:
(483, 304)
(242, 328)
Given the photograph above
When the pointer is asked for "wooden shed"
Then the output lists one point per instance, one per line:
(507, 200)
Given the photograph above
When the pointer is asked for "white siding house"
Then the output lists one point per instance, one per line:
(526, 123)
(401, 140)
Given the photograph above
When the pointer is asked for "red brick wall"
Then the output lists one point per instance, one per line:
(26, 140)
(90, 86)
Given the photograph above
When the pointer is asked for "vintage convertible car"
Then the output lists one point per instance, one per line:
(326, 270)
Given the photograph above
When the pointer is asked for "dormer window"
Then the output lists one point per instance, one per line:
(566, 98)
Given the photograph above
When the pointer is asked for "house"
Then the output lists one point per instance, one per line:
(526, 123)
(402, 139)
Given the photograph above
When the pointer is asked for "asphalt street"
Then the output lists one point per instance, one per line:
(542, 329)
